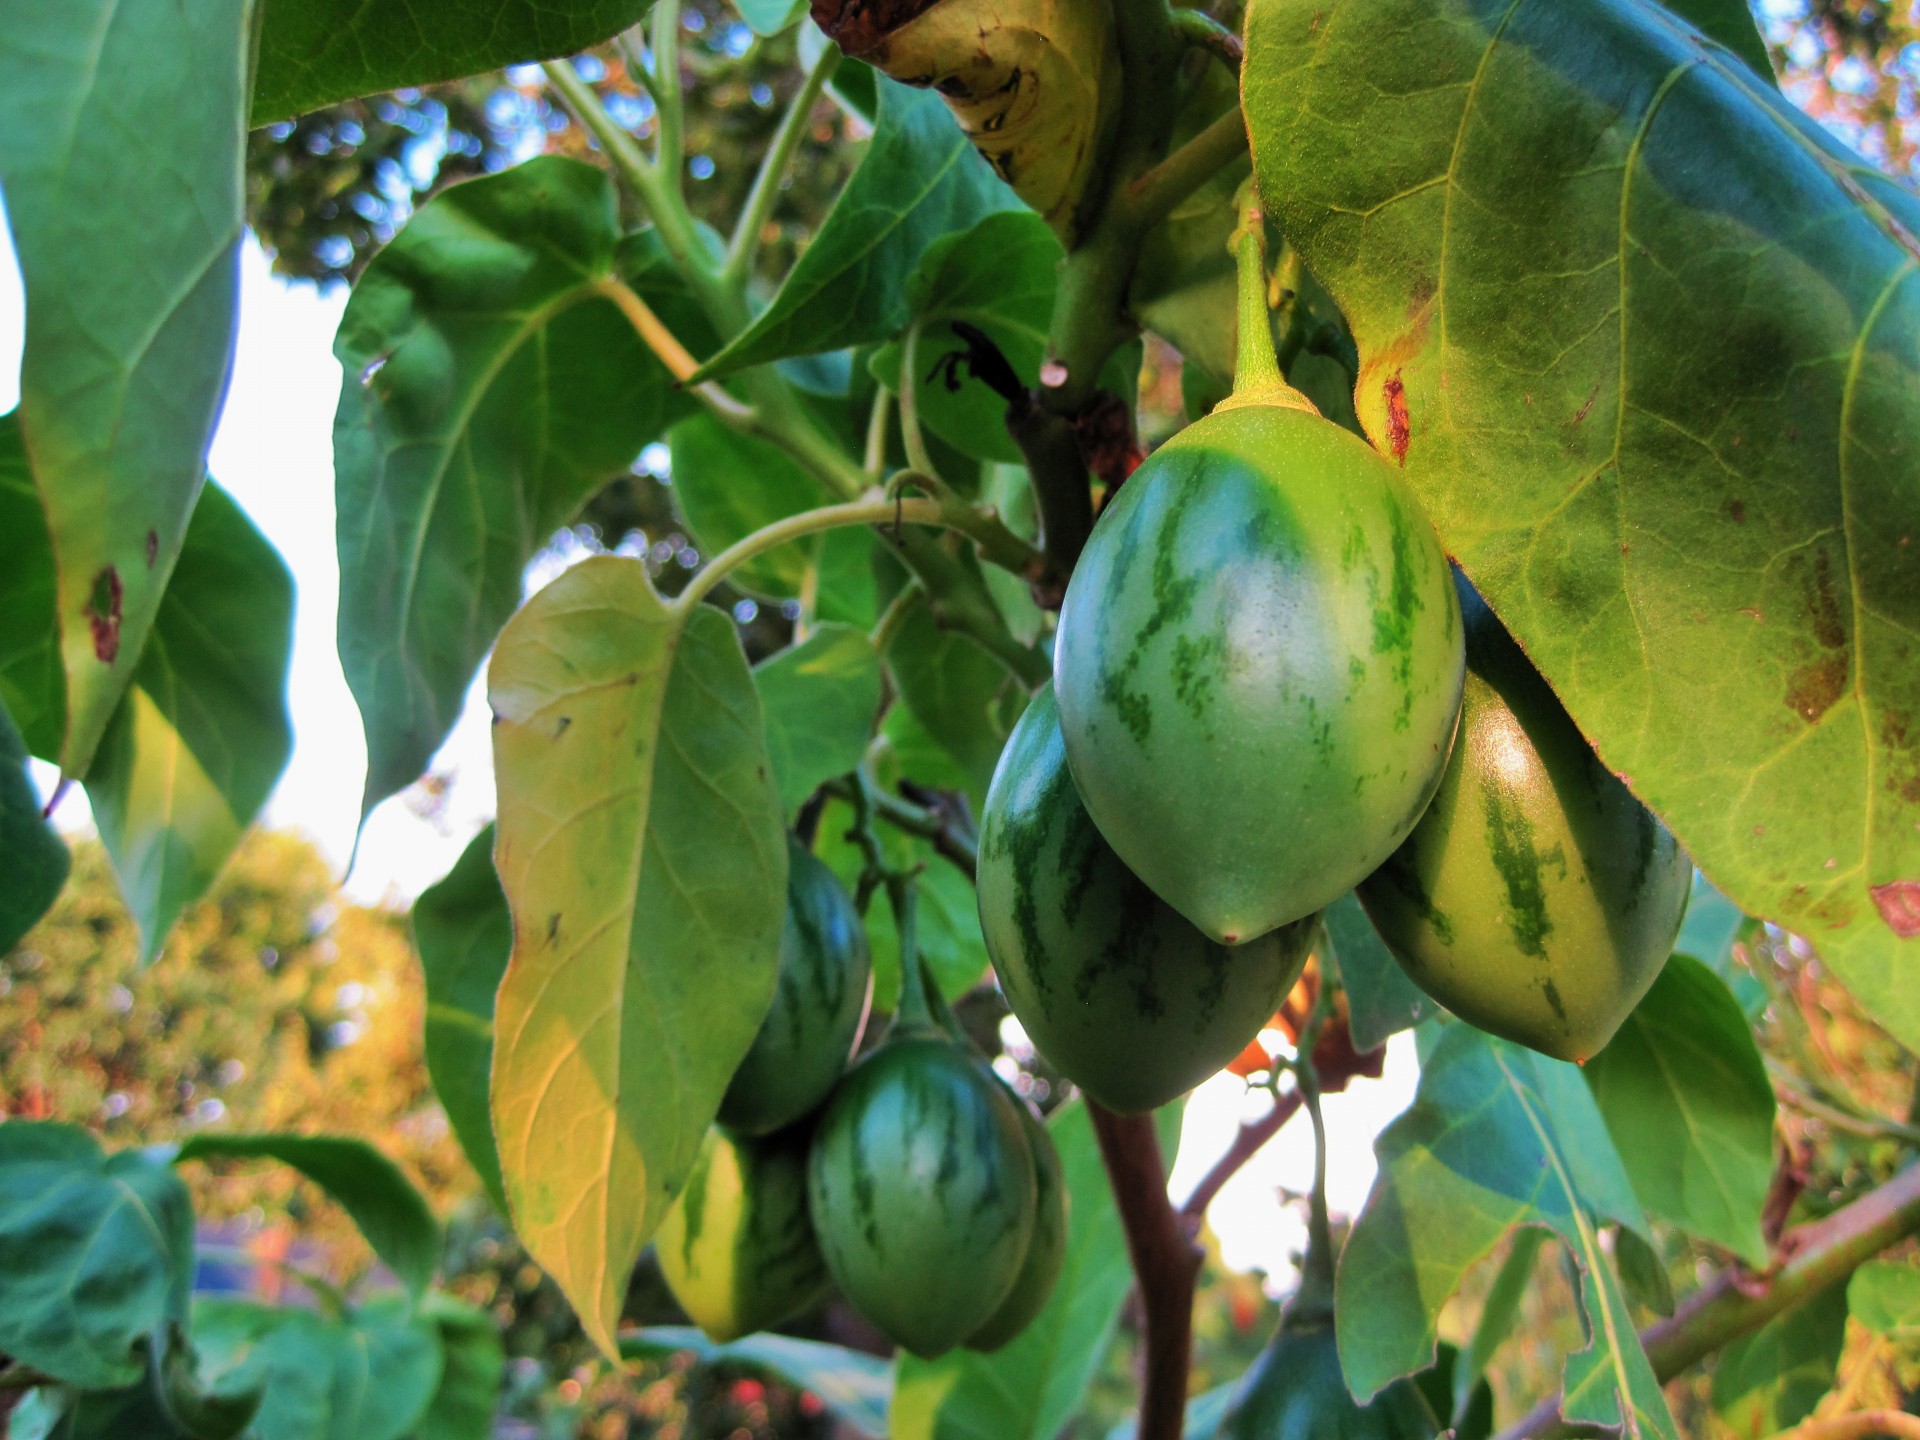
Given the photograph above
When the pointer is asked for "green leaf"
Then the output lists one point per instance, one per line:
(1686, 1095)
(464, 935)
(1497, 1137)
(918, 181)
(1030, 1387)
(37, 861)
(202, 735)
(463, 1406)
(1731, 23)
(132, 1412)
(997, 275)
(727, 485)
(1884, 1296)
(374, 1191)
(1497, 1318)
(1691, 504)
(121, 133)
(314, 52)
(367, 1375)
(203, 1411)
(856, 1388)
(1381, 1000)
(489, 389)
(1771, 1380)
(1643, 1273)
(32, 683)
(770, 17)
(1713, 925)
(820, 698)
(963, 696)
(97, 1252)
(643, 856)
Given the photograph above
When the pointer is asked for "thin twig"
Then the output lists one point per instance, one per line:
(773, 168)
(1860, 1425)
(1166, 1263)
(1247, 1142)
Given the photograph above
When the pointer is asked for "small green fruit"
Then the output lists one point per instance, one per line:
(737, 1249)
(825, 982)
(921, 1186)
(1537, 899)
(1113, 985)
(1258, 667)
(1046, 1251)
(1296, 1391)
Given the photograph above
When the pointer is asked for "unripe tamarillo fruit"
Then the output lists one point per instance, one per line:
(1114, 986)
(818, 1004)
(1258, 666)
(1035, 84)
(921, 1187)
(737, 1249)
(1537, 899)
(1046, 1251)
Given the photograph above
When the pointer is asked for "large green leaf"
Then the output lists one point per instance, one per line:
(121, 1414)
(37, 862)
(464, 935)
(1731, 23)
(369, 1374)
(1770, 1381)
(1645, 340)
(469, 1391)
(963, 696)
(1686, 1096)
(1030, 1387)
(855, 1387)
(997, 276)
(1884, 1296)
(314, 52)
(821, 698)
(489, 389)
(121, 130)
(96, 1253)
(1497, 1137)
(1381, 1000)
(644, 859)
(33, 686)
(202, 735)
(390, 1212)
(727, 485)
(918, 181)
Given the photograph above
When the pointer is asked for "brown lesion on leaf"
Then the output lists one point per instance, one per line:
(1816, 686)
(1899, 905)
(1736, 511)
(153, 547)
(103, 615)
(860, 26)
(1399, 422)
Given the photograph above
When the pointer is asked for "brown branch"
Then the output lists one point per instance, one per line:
(1860, 1425)
(1737, 1302)
(1246, 1144)
(1166, 1263)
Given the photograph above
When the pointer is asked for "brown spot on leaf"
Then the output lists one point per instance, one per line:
(1816, 685)
(103, 615)
(153, 547)
(1736, 511)
(561, 728)
(1814, 688)
(1399, 423)
(859, 26)
(553, 926)
(1899, 905)
(1823, 606)
(1586, 409)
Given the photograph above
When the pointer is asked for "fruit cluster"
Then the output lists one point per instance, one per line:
(871, 1178)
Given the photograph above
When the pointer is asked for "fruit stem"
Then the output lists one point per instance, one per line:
(1313, 1304)
(1256, 369)
(912, 1013)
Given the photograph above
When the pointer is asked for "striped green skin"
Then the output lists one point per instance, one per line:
(1121, 994)
(1259, 668)
(737, 1249)
(1046, 1251)
(1296, 1391)
(1537, 899)
(825, 982)
(922, 1190)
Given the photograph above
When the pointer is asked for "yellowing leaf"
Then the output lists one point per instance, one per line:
(641, 851)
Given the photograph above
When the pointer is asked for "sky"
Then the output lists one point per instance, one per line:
(273, 453)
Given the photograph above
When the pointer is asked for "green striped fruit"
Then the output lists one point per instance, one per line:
(1296, 1391)
(1046, 1251)
(818, 1007)
(921, 1186)
(737, 1249)
(1258, 667)
(1537, 899)
(1113, 985)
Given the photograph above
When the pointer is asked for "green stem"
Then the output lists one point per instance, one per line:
(1159, 192)
(632, 51)
(875, 459)
(913, 1012)
(1203, 32)
(911, 435)
(23, 1377)
(795, 527)
(669, 108)
(745, 243)
(1313, 1305)
(1255, 367)
(895, 615)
